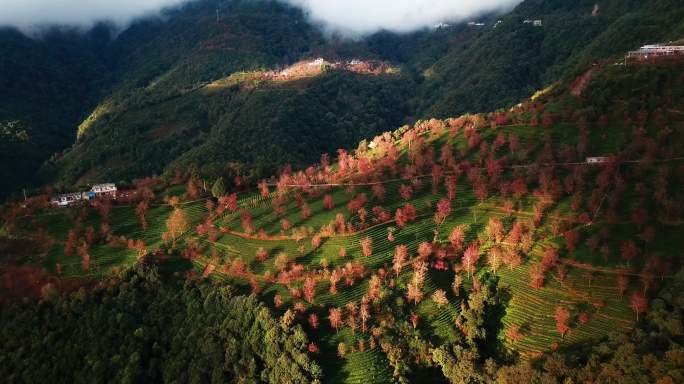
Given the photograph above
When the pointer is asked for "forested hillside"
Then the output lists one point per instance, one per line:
(138, 328)
(137, 104)
(237, 129)
(513, 60)
(539, 243)
(162, 114)
(47, 87)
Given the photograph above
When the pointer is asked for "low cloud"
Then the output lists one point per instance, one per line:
(30, 14)
(361, 17)
(350, 17)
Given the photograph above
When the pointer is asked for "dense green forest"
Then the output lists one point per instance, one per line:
(144, 327)
(140, 327)
(47, 87)
(235, 131)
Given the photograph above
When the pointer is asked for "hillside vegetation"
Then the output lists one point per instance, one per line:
(484, 247)
(47, 87)
(135, 105)
(138, 328)
(446, 72)
(510, 62)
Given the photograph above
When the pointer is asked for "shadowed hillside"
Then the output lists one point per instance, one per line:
(134, 106)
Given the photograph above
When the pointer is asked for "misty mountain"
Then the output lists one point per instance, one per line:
(146, 102)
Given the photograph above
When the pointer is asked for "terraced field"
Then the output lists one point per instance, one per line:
(530, 309)
(105, 258)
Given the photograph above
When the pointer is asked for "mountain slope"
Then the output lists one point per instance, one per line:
(47, 86)
(491, 236)
(512, 61)
(256, 129)
(154, 115)
(161, 116)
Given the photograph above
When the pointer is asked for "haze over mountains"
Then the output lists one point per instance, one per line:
(355, 17)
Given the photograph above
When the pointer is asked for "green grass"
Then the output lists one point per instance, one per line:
(370, 366)
(533, 309)
(104, 258)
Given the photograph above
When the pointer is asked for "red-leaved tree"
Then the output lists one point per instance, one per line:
(309, 289)
(367, 246)
(328, 202)
(470, 258)
(571, 240)
(335, 318)
(400, 257)
(457, 238)
(313, 321)
(536, 276)
(562, 317)
(261, 254)
(70, 244)
(424, 249)
(639, 303)
(443, 211)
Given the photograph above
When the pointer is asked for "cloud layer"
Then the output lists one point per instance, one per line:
(27, 14)
(345, 16)
(367, 16)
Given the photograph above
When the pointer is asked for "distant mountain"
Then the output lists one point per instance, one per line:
(141, 103)
(47, 86)
(162, 115)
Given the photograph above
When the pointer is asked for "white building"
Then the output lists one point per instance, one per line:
(535, 23)
(597, 160)
(67, 199)
(108, 189)
(655, 51)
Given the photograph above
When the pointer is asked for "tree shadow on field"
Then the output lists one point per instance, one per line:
(494, 346)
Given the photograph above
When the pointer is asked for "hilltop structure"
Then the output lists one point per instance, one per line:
(67, 199)
(654, 52)
(103, 190)
(597, 160)
(107, 190)
(535, 23)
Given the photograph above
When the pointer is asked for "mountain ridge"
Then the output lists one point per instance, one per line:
(446, 72)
